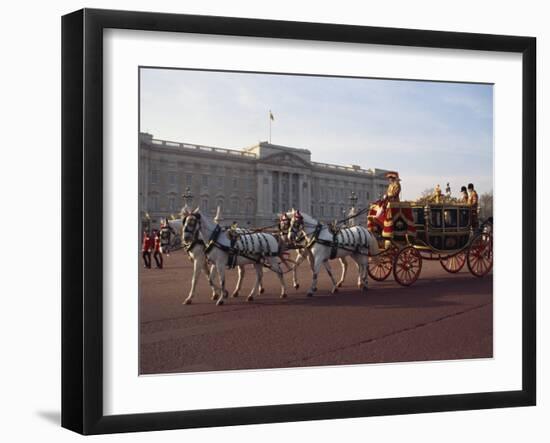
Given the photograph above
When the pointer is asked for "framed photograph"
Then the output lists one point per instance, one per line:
(268, 221)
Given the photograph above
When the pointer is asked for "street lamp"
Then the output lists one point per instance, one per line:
(353, 199)
(146, 222)
(187, 197)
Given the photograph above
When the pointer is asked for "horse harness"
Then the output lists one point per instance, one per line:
(249, 243)
(334, 244)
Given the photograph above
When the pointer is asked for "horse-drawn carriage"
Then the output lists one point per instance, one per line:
(412, 232)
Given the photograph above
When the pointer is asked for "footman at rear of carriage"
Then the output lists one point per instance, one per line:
(473, 201)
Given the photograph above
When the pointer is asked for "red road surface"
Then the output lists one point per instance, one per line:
(442, 316)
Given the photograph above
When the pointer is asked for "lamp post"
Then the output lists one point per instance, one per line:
(187, 197)
(146, 222)
(352, 212)
(353, 199)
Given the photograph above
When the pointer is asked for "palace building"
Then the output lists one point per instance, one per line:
(251, 185)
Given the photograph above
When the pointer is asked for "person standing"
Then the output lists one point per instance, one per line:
(157, 254)
(473, 201)
(437, 194)
(463, 195)
(146, 249)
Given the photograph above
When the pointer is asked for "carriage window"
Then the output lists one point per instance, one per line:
(464, 217)
(418, 214)
(450, 218)
(435, 218)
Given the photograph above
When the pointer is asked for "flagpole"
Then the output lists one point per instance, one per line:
(269, 118)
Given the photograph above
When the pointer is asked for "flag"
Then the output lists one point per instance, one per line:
(271, 116)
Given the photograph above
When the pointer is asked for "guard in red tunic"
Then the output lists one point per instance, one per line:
(157, 254)
(146, 246)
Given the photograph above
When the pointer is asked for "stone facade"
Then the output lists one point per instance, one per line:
(251, 185)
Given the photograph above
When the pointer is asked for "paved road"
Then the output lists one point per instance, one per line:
(442, 316)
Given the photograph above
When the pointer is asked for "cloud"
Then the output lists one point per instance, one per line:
(429, 131)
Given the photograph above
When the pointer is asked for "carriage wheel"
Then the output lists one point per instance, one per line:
(380, 266)
(480, 255)
(454, 263)
(407, 265)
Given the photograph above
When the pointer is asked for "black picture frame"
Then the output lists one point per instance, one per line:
(82, 215)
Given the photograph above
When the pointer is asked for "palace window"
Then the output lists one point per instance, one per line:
(235, 205)
(220, 182)
(205, 180)
(172, 178)
(204, 204)
(189, 180)
(154, 176)
(171, 204)
(154, 202)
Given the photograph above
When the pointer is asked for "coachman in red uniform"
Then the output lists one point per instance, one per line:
(146, 246)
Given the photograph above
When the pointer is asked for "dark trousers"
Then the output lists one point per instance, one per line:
(146, 259)
(158, 259)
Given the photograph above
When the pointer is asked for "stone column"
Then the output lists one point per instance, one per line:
(301, 199)
(280, 202)
(289, 188)
(306, 194)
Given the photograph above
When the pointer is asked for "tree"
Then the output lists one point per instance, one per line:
(486, 205)
(426, 195)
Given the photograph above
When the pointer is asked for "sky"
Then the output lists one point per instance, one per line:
(431, 132)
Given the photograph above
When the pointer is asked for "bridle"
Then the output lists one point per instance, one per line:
(297, 225)
(296, 229)
(190, 229)
(166, 232)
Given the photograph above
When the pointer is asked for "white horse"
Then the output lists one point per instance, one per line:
(250, 248)
(355, 241)
(303, 253)
(195, 248)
